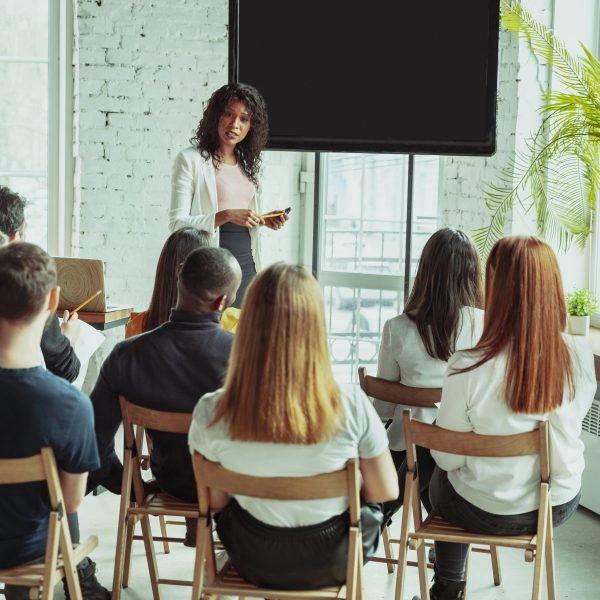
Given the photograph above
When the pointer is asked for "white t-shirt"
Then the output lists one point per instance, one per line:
(362, 435)
(474, 401)
(403, 357)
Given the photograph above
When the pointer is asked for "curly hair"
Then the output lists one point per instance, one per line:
(12, 211)
(206, 138)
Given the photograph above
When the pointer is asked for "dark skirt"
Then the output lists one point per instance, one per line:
(306, 557)
(236, 239)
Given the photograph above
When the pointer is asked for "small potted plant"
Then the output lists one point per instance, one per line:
(581, 303)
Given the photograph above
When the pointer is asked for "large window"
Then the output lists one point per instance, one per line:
(24, 107)
(362, 246)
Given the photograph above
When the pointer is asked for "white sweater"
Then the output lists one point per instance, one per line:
(474, 401)
(402, 356)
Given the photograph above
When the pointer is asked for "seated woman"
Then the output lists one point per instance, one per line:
(523, 370)
(443, 314)
(164, 295)
(281, 413)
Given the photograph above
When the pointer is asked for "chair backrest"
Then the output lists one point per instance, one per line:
(474, 444)
(147, 418)
(396, 392)
(137, 420)
(40, 467)
(344, 482)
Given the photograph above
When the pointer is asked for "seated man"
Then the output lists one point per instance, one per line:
(57, 339)
(169, 368)
(37, 409)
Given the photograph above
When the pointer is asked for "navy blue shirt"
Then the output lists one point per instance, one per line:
(39, 409)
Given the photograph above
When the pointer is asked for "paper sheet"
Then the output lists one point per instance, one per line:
(89, 341)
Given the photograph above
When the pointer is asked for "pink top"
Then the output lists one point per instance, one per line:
(234, 189)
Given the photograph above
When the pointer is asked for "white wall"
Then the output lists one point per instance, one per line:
(142, 73)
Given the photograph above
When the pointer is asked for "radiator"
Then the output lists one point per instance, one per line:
(590, 485)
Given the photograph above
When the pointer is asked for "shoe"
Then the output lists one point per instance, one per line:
(451, 590)
(90, 587)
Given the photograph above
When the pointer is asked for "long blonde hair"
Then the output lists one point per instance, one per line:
(525, 315)
(279, 386)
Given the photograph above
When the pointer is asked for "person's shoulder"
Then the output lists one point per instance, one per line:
(462, 359)
(581, 353)
(205, 407)
(400, 322)
(59, 391)
(190, 155)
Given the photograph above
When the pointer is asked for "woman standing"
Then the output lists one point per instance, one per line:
(281, 413)
(214, 182)
(523, 370)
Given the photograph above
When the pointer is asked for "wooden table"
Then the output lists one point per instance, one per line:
(108, 319)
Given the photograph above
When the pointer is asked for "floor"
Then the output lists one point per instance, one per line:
(577, 547)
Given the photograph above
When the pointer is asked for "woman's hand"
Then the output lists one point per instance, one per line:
(276, 222)
(239, 216)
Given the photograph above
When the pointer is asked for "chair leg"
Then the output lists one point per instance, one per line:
(496, 565)
(130, 532)
(150, 555)
(403, 546)
(163, 533)
(550, 570)
(423, 579)
(201, 544)
(387, 548)
(542, 529)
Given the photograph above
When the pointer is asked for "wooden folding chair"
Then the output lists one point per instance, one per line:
(136, 420)
(60, 559)
(395, 393)
(536, 546)
(227, 581)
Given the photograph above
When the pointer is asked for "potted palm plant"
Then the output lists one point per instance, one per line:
(581, 303)
(558, 177)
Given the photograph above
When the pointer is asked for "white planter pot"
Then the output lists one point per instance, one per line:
(579, 325)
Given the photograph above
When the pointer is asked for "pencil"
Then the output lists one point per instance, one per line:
(274, 214)
(86, 301)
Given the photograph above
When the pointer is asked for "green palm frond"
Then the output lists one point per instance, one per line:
(558, 176)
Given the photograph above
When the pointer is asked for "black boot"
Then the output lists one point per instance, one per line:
(90, 587)
(446, 590)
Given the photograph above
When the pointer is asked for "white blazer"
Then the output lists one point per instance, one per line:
(194, 198)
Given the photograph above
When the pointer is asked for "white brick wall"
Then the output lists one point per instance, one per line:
(461, 202)
(142, 73)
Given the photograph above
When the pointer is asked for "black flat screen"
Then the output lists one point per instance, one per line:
(371, 75)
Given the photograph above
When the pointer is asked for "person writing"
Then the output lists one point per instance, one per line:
(214, 182)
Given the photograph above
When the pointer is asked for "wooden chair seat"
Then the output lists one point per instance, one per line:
(229, 582)
(32, 575)
(158, 503)
(439, 530)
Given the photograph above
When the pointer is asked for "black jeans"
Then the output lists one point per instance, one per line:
(450, 558)
(425, 464)
(305, 557)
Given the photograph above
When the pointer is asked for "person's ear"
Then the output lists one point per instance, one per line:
(220, 304)
(14, 236)
(53, 298)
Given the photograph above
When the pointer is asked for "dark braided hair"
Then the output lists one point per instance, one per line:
(206, 138)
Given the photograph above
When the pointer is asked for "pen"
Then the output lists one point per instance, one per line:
(274, 214)
(86, 301)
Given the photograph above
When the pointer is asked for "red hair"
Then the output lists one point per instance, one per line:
(525, 316)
